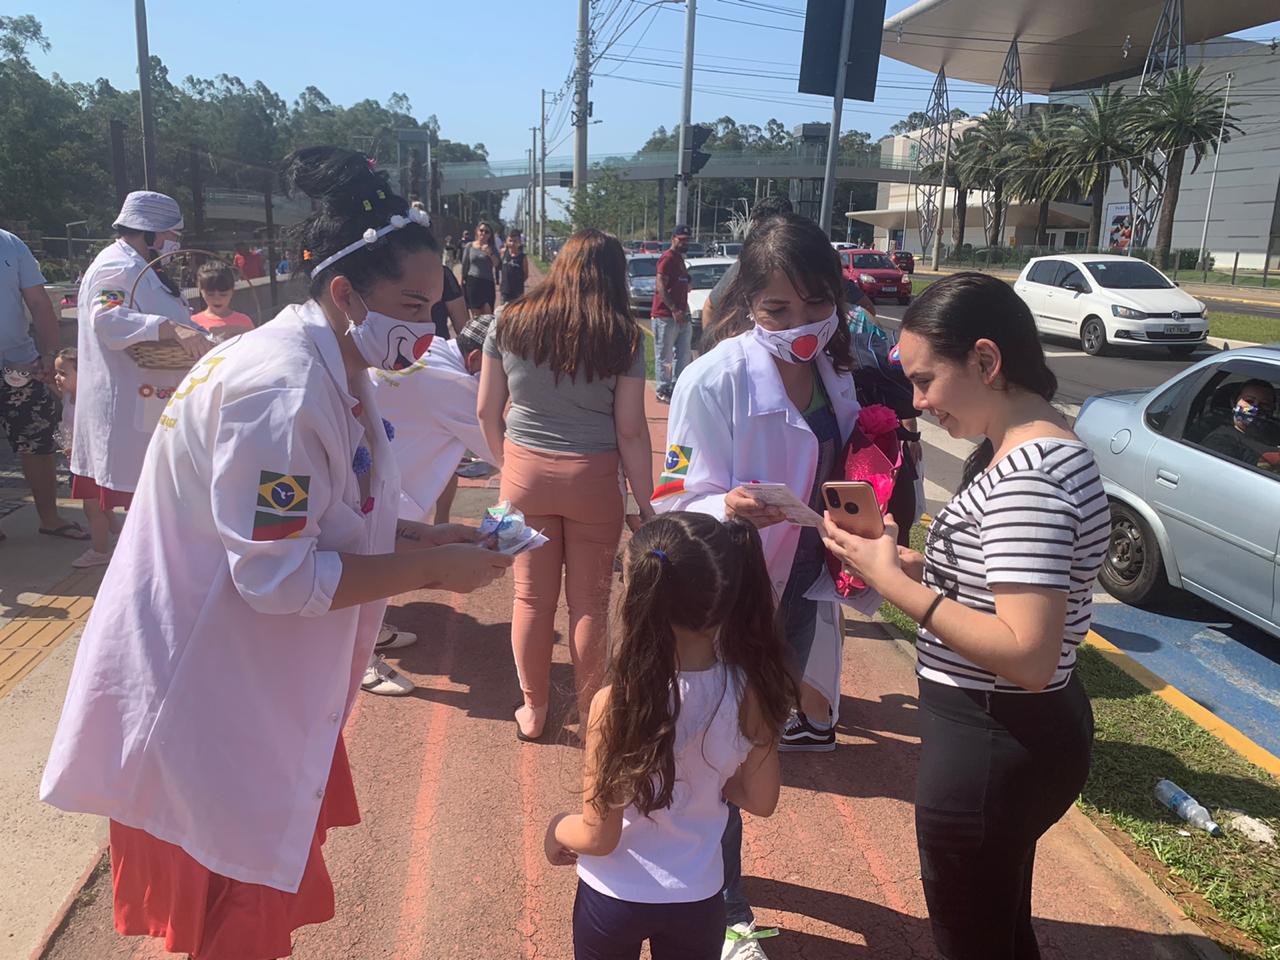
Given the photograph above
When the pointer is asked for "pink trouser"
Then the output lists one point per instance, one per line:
(576, 500)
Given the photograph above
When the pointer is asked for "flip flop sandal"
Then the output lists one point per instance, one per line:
(64, 532)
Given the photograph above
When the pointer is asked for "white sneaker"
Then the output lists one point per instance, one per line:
(393, 638)
(742, 942)
(381, 679)
(91, 558)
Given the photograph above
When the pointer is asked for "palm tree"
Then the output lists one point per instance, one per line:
(1180, 116)
(989, 149)
(1098, 137)
(1039, 175)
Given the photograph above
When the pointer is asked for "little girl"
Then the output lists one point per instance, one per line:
(100, 524)
(698, 693)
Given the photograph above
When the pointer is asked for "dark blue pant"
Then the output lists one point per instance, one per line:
(605, 928)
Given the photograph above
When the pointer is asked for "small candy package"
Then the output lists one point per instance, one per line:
(506, 523)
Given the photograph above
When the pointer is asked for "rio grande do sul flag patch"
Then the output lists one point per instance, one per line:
(674, 469)
(272, 526)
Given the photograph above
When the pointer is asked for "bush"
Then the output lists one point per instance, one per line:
(59, 271)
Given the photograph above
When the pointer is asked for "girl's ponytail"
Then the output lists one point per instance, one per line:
(750, 635)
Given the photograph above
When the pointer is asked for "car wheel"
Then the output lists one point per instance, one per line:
(1183, 349)
(1093, 337)
(1133, 569)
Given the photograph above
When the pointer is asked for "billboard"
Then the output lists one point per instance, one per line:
(1117, 227)
(823, 23)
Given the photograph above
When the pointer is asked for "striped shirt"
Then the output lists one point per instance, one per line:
(1039, 516)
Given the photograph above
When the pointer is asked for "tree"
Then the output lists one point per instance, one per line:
(918, 120)
(1038, 175)
(989, 149)
(1099, 136)
(1183, 115)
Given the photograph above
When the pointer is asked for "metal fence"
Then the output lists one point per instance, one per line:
(1184, 263)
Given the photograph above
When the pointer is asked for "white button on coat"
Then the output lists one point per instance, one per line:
(180, 719)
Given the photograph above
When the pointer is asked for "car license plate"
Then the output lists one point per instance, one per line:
(1177, 328)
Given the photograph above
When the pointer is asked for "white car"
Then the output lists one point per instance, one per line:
(704, 274)
(1103, 300)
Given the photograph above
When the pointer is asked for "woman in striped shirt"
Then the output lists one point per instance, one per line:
(1003, 596)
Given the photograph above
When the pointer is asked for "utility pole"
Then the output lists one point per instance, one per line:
(542, 180)
(837, 112)
(683, 174)
(1213, 178)
(144, 95)
(582, 90)
(533, 185)
(942, 206)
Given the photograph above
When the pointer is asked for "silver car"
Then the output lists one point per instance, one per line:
(1192, 469)
(642, 280)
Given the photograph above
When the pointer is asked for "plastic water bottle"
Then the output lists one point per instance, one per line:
(1185, 806)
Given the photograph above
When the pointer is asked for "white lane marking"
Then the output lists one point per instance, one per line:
(1060, 352)
(935, 436)
(935, 493)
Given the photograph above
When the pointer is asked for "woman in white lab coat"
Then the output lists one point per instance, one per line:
(263, 532)
(775, 404)
(118, 403)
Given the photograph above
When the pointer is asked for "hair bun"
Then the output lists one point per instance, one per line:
(331, 175)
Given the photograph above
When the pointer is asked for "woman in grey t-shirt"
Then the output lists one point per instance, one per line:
(479, 270)
(568, 356)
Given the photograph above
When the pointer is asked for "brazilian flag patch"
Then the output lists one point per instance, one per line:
(674, 469)
(273, 526)
(284, 492)
(110, 298)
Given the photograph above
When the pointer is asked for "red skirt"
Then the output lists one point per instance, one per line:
(86, 488)
(161, 891)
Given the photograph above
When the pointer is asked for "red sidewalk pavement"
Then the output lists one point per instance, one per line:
(448, 862)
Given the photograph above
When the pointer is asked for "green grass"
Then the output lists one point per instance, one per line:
(1244, 326)
(650, 369)
(1139, 739)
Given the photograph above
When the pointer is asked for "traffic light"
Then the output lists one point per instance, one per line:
(698, 135)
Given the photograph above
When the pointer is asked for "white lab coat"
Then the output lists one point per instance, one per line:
(212, 678)
(119, 401)
(432, 406)
(731, 417)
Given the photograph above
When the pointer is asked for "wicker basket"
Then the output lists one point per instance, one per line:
(170, 354)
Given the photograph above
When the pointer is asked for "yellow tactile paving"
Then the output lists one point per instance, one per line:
(39, 627)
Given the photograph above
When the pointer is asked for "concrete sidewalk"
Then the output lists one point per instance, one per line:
(448, 862)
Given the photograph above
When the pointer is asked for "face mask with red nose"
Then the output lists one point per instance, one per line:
(799, 344)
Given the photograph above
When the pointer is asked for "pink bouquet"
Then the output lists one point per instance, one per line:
(873, 454)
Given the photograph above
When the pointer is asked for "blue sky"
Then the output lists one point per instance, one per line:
(479, 66)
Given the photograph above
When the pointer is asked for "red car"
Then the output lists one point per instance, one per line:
(905, 260)
(876, 275)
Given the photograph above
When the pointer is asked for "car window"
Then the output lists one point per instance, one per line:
(643, 267)
(706, 275)
(872, 261)
(1160, 411)
(1233, 416)
(1070, 273)
(1127, 275)
(1043, 272)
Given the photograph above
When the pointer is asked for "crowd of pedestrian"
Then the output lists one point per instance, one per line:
(301, 473)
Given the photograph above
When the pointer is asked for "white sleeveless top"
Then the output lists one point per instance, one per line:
(673, 855)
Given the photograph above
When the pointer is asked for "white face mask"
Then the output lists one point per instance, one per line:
(169, 246)
(799, 344)
(388, 343)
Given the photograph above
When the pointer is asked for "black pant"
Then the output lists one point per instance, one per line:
(996, 771)
(605, 928)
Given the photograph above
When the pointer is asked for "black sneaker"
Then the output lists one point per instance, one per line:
(802, 735)
(664, 396)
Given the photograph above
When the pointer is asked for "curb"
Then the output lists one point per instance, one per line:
(64, 910)
(1179, 923)
(1233, 738)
